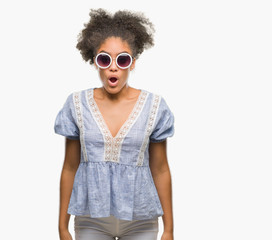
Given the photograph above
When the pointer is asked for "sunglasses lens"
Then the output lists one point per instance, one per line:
(103, 60)
(124, 60)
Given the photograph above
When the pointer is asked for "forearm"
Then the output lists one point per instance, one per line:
(66, 186)
(164, 187)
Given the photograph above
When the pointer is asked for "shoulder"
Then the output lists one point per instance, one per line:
(73, 98)
(80, 91)
(153, 95)
(77, 94)
(158, 99)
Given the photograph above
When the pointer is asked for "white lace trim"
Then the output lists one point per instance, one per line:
(78, 110)
(112, 145)
(149, 127)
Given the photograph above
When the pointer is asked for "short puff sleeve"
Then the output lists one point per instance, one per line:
(164, 123)
(65, 122)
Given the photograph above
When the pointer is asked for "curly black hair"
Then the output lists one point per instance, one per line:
(132, 27)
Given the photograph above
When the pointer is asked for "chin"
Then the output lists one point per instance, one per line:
(111, 90)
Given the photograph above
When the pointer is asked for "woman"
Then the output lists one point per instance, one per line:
(115, 178)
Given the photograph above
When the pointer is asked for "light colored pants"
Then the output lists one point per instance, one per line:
(108, 228)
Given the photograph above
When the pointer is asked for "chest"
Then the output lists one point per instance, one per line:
(115, 115)
(118, 133)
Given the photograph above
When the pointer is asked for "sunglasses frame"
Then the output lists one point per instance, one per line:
(120, 54)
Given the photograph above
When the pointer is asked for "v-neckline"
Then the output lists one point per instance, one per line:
(126, 125)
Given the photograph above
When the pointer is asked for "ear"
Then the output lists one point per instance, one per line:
(132, 66)
(94, 63)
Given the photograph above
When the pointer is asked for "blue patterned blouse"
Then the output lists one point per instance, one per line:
(113, 177)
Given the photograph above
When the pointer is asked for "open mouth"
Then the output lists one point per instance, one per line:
(113, 79)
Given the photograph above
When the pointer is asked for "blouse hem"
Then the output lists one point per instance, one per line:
(74, 213)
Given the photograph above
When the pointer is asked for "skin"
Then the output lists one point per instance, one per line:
(113, 98)
(114, 46)
(121, 96)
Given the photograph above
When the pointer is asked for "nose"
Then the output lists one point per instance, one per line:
(113, 66)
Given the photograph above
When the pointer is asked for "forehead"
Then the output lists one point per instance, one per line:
(114, 46)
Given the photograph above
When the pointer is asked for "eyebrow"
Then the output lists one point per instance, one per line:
(110, 54)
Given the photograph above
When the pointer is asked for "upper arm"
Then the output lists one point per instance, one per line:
(66, 120)
(66, 125)
(72, 154)
(158, 157)
(163, 128)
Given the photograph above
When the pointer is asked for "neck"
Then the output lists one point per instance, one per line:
(116, 95)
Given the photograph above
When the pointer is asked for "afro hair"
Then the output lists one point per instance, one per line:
(132, 27)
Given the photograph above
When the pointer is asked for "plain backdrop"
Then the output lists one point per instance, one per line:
(211, 62)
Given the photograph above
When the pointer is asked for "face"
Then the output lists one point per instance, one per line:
(113, 78)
